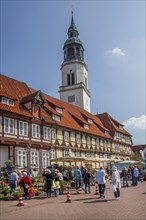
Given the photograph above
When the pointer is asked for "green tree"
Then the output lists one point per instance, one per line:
(9, 163)
(136, 157)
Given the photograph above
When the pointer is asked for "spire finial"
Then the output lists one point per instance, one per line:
(72, 18)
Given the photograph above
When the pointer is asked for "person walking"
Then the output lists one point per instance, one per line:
(77, 178)
(124, 175)
(100, 180)
(25, 183)
(13, 178)
(83, 171)
(116, 184)
(65, 175)
(135, 175)
(48, 181)
(60, 175)
(86, 179)
(57, 183)
(131, 170)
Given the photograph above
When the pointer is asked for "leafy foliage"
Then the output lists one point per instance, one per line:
(136, 157)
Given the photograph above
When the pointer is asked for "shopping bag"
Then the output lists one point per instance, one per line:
(112, 188)
(53, 184)
(31, 193)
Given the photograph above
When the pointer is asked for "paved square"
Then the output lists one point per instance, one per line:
(131, 206)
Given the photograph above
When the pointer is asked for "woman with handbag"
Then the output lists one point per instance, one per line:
(115, 183)
(49, 181)
(25, 183)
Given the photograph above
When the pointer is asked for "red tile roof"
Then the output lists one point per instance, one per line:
(112, 124)
(137, 148)
(72, 117)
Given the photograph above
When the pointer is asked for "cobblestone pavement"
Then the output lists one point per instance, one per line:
(131, 206)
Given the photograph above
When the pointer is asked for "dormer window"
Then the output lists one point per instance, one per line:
(36, 111)
(121, 127)
(86, 126)
(59, 110)
(56, 117)
(7, 101)
(106, 133)
(90, 121)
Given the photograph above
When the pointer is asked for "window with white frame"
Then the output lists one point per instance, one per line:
(105, 143)
(47, 133)
(56, 117)
(88, 140)
(88, 154)
(86, 126)
(93, 155)
(34, 158)
(97, 142)
(23, 128)
(7, 101)
(107, 156)
(54, 133)
(45, 159)
(78, 154)
(22, 158)
(66, 136)
(9, 125)
(52, 154)
(78, 139)
(35, 131)
(90, 121)
(59, 110)
(101, 155)
(116, 135)
(117, 146)
(67, 153)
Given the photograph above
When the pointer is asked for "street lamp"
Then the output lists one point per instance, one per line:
(27, 151)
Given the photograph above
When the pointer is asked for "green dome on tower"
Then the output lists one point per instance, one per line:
(73, 48)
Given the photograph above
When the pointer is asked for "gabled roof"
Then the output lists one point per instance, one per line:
(112, 124)
(32, 96)
(72, 117)
(137, 148)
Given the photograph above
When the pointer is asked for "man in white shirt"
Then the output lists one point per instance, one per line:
(135, 175)
(100, 180)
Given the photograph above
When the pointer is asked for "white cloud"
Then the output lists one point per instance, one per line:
(117, 51)
(136, 123)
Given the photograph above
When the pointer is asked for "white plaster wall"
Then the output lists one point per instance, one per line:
(78, 69)
(80, 98)
(3, 155)
(0, 124)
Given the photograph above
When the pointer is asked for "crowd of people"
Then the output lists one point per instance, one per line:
(54, 180)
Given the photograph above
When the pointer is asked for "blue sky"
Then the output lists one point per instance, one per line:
(113, 35)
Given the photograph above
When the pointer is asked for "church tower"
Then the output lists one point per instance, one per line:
(74, 88)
